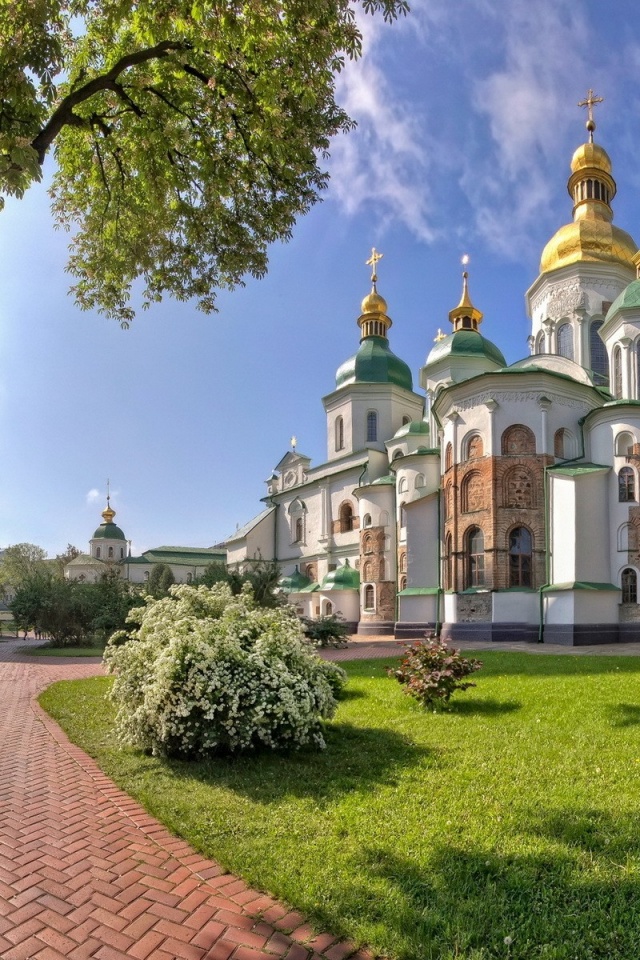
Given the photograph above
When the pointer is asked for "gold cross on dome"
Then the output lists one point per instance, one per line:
(108, 491)
(439, 336)
(590, 101)
(373, 263)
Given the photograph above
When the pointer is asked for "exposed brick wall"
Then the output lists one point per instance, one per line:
(474, 608)
(495, 494)
(372, 570)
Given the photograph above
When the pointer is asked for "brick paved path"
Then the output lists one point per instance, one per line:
(85, 872)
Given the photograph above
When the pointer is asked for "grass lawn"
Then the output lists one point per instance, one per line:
(62, 651)
(506, 828)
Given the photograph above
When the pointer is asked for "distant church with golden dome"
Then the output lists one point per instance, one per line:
(498, 502)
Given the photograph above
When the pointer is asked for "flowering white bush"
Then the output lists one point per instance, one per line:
(206, 671)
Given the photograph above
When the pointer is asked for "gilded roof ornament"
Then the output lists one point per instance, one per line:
(589, 102)
(465, 316)
(372, 262)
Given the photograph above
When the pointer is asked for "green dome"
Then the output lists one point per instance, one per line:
(412, 428)
(108, 531)
(293, 583)
(344, 578)
(629, 298)
(466, 343)
(374, 363)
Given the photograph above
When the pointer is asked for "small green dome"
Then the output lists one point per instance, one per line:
(343, 578)
(629, 298)
(293, 583)
(374, 363)
(466, 343)
(108, 531)
(412, 428)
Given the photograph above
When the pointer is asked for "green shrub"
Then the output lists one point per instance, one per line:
(205, 672)
(432, 672)
(328, 631)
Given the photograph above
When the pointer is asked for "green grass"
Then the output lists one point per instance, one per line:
(428, 836)
(46, 651)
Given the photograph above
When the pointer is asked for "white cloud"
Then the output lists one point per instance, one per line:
(382, 164)
(93, 496)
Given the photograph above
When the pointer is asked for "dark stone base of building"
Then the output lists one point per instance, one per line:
(375, 628)
(583, 634)
(483, 632)
(414, 631)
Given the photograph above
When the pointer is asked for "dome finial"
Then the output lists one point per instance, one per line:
(108, 514)
(589, 102)
(465, 316)
(373, 321)
(373, 263)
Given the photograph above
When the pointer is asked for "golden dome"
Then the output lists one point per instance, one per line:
(588, 240)
(108, 513)
(590, 155)
(374, 303)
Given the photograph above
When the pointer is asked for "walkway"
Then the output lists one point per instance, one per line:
(85, 872)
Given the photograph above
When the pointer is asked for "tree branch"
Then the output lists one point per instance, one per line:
(63, 115)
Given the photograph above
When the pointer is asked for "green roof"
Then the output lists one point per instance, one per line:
(628, 299)
(578, 469)
(581, 585)
(412, 428)
(108, 531)
(191, 556)
(374, 363)
(294, 583)
(466, 343)
(419, 592)
(383, 481)
(342, 578)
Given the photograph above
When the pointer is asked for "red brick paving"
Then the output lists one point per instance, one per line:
(86, 873)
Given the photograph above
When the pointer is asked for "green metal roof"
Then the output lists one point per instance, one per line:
(418, 592)
(294, 583)
(108, 531)
(581, 585)
(466, 343)
(374, 363)
(85, 560)
(578, 469)
(342, 578)
(628, 299)
(412, 428)
(192, 556)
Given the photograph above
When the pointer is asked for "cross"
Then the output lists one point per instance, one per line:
(373, 262)
(590, 101)
(108, 492)
(294, 442)
(440, 336)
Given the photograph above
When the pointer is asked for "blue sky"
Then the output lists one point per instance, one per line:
(467, 120)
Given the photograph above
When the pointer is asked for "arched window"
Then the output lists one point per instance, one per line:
(419, 484)
(121, 553)
(383, 569)
(403, 583)
(599, 358)
(473, 446)
(146, 575)
(189, 578)
(472, 492)
(398, 454)
(339, 433)
(366, 520)
(540, 343)
(346, 517)
(617, 373)
(310, 571)
(448, 559)
(98, 553)
(369, 597)
(623, 445)
(520, 556)
(110, 553)
(474, 558)
(328, 608)
(403, 515)
(629, 583)
(518, 439)
(626, 485)
(403, 486)
(384, 518)
(367, 544)
(405, 421)
(403, 562)
(299, 533)
(367, 570)
(448, 457)
(564, 341)
(627, 538)
(372, 426)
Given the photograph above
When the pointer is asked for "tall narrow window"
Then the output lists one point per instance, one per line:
(474, 556)
(372, 426)
(599, 358)
(448, 457)
(369, 597)
(564, 340)
(448, 570)
(617, 373)
(346, 518)
(540, 342)
(299, 530)
(629, 586)
(339, 434)
(98, 551)
(403, 515)
(626, 485)
(559, 444)
(110, 553)
(520, 555)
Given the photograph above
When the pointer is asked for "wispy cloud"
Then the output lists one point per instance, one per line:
(93, 496)
(384, 161)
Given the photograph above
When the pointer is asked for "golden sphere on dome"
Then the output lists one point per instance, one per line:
(590, 156)
(374, 303)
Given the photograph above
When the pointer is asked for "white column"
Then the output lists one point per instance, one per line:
(627, 379)
(492, 406)
(544, 403)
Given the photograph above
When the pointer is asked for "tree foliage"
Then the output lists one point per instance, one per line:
(160, 579)
(21, 561)
(188, 134)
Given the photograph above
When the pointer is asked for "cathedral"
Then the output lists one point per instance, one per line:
(497, 502)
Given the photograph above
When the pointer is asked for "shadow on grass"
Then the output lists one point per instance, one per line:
(625, 714)
(592, 831)
(464, 903)
(359, 759)
(483, 708)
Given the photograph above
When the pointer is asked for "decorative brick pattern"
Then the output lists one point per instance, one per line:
(86, 873)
